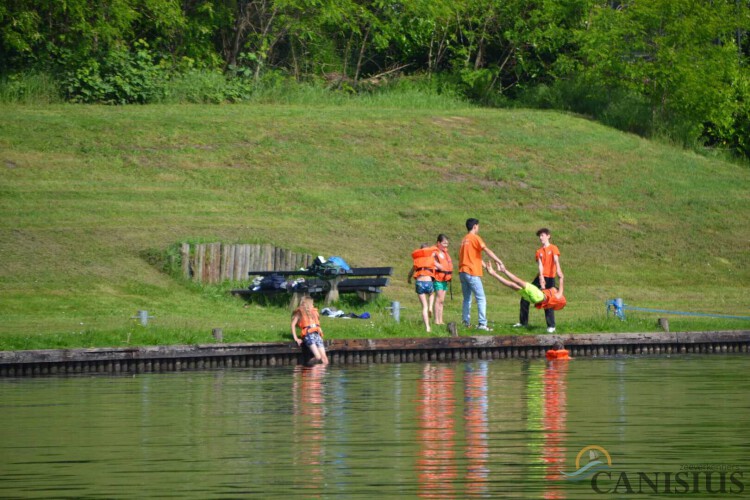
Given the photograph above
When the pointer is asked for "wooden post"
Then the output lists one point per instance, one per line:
(214, 265)
(200, 254)
(242, 251)
(255, 260)
(185, 257)
(236, 253)
(266, 258)
(230, 261)
(275, 259)
(224, 271)
(452, 329)
(218, 334)
(663, 323)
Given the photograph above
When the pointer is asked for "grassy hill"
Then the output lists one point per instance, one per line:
(85, 191)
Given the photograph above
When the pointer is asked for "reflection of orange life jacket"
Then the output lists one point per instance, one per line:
(557, 354)
(447, 264)
(424, 262)
(551, 301)
(308, 322)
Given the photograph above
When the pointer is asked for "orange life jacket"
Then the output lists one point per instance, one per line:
(553, 354)
(308, 322)
(424, 262)
(551, 301)
(447, 264)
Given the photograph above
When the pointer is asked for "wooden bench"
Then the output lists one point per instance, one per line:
(366, 288)
(366, 282)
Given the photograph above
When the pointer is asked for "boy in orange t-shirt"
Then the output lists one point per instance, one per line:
(470, 273)
(548, 260)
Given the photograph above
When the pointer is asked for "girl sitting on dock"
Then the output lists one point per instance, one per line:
(307, 318)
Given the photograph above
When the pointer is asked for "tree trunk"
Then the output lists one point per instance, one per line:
(361, 55)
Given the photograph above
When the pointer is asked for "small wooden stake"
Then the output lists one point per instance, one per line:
(663, 323)
(452, 329)
(218, 334)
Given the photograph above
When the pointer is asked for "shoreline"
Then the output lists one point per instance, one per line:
(155, 359)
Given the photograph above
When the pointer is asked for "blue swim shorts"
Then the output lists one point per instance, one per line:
(313, 339)
(423, 287)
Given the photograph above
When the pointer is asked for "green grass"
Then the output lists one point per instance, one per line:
(86, 191)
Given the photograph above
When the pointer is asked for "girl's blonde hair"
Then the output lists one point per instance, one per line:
(307, 303)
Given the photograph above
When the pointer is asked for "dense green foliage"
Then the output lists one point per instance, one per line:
(92, 196)
(674, 68)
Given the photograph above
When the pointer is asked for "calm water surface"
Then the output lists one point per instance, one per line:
(493, 429)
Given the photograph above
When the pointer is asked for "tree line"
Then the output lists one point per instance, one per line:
(677, 67)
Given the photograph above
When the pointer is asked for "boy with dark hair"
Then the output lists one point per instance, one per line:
(548, 260)
(470, 273)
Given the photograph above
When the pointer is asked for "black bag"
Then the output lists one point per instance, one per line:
(328, 268)
(272, 282)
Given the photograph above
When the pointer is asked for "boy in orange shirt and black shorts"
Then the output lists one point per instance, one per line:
(548, 260)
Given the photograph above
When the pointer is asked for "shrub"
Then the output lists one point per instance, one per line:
(117, 77)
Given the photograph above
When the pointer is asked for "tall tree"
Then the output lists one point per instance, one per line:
(680, 54)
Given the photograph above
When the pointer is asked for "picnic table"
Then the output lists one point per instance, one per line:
(365, 281)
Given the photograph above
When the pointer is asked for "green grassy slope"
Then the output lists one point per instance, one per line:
(84, 190)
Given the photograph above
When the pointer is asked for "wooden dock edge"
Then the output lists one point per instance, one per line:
(363, 351)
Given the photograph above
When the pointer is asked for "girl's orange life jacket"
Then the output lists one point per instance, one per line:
(553, 354)
(551, 301)
(424, 262)
(447, 264)
(309, 322)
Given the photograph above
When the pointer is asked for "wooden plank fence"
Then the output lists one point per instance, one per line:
(217, 262)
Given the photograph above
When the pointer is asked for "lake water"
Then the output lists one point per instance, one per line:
(490, 429)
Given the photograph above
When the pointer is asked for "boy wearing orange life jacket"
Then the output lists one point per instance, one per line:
(423, 271)
(443, 275)
(549, 298)
(307, 319)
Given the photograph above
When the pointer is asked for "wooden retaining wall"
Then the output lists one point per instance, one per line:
(362, 351)
(216, 262)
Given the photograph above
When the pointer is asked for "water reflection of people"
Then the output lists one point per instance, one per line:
(553, 425)
(435, 410)
(309, 421)
(475, 417)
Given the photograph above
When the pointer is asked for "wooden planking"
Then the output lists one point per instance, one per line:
(216, 262)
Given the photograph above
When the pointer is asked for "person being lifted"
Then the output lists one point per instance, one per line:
(549, 298)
